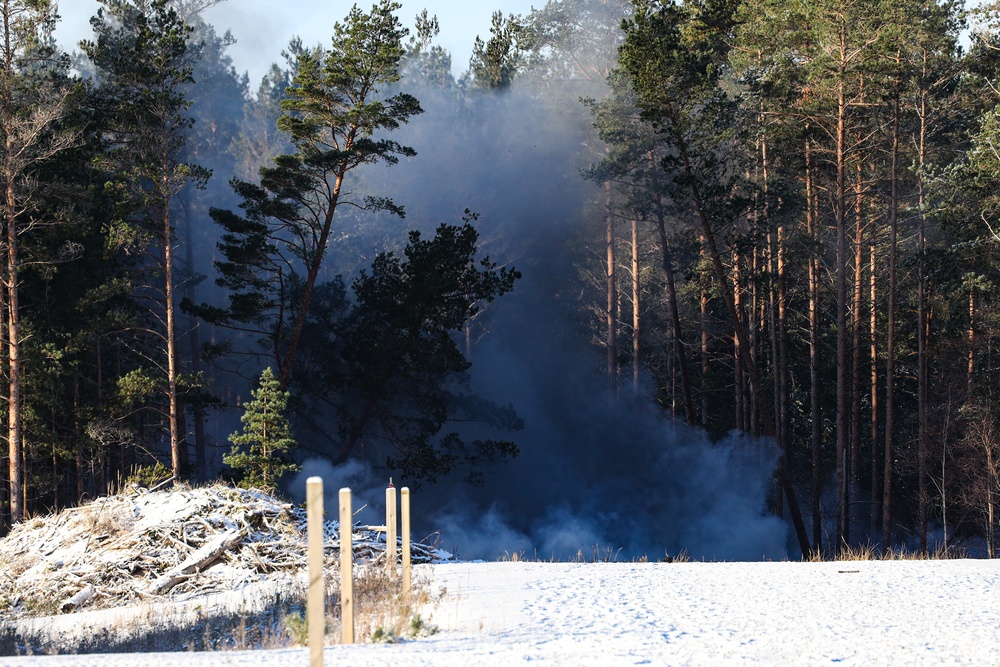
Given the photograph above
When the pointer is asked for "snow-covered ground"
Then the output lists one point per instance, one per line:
(606, 614)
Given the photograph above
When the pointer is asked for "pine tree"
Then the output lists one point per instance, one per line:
(337, 122)
(34, 104)
(261, 452)
(495, 63)
(142, 52)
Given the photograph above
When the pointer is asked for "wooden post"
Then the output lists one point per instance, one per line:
(404, 508)
(390, 529)
(346, 561)
(316, 618)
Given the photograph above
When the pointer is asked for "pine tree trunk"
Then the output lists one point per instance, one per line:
(176, 458)
(80, 472)
(814, 340)
(739, 383)
(703, 323)
(100, 469)
(194, 340)
(778, 306)
(991, 482)
(755, 398)
(853, 453)
(783, 372)
(922, 367)
(611, 334)
(772, 297)
(873, 523)
(840, 205)
(5, 487)
(890, 368)
(313, 267)
(675, 318)
(635, 308)
(15, 433)
(971, 338)
(943, 488)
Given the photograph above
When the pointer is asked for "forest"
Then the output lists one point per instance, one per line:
(776, 218)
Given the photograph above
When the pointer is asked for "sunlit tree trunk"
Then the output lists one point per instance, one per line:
(611, 319)
(635, 307)
(739, 383)
(80, 466)
(890, 367)
(922, 323)
(853, 453)
(15, 434)
(5, 487)
(754, 325)
(177, 456)
(873, 389)
(814, 341)
(970, 362)
(783, 371)
(703, 324)
(843, 373)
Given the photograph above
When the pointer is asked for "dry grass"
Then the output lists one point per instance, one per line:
(872, 552)
(20, 564)
(679, 557)
(382, 614)
(149, 632)
(103, 521)
(598, 554)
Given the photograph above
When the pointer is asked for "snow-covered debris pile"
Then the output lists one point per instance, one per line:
(152, 545)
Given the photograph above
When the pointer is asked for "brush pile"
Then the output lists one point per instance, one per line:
(171, 544)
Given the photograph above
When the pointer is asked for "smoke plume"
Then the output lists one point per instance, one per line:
(599, 475)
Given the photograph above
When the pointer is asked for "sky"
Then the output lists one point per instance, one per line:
(263, 27)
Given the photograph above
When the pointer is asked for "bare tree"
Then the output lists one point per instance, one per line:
(980, 468)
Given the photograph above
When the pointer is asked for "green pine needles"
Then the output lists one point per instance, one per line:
(260, 454)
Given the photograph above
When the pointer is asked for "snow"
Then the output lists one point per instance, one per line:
(772, 613)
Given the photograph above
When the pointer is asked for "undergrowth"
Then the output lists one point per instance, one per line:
(382, 614)
(597, 554)
(222, 632)
(873, 552)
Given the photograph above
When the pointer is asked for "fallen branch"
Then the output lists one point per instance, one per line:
(196, 561)
(80, 599)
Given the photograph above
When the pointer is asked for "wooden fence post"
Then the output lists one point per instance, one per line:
(316, 617)
(346, 562)
(404, 508)
(390, 529)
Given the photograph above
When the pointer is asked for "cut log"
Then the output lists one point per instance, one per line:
(79, 599)
(197, 561)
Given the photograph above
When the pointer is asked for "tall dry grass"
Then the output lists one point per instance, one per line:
(382, 614)
(873, 552)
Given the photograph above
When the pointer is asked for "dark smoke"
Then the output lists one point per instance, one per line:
(597, 475)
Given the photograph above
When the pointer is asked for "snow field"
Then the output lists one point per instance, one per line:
(607, 614)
